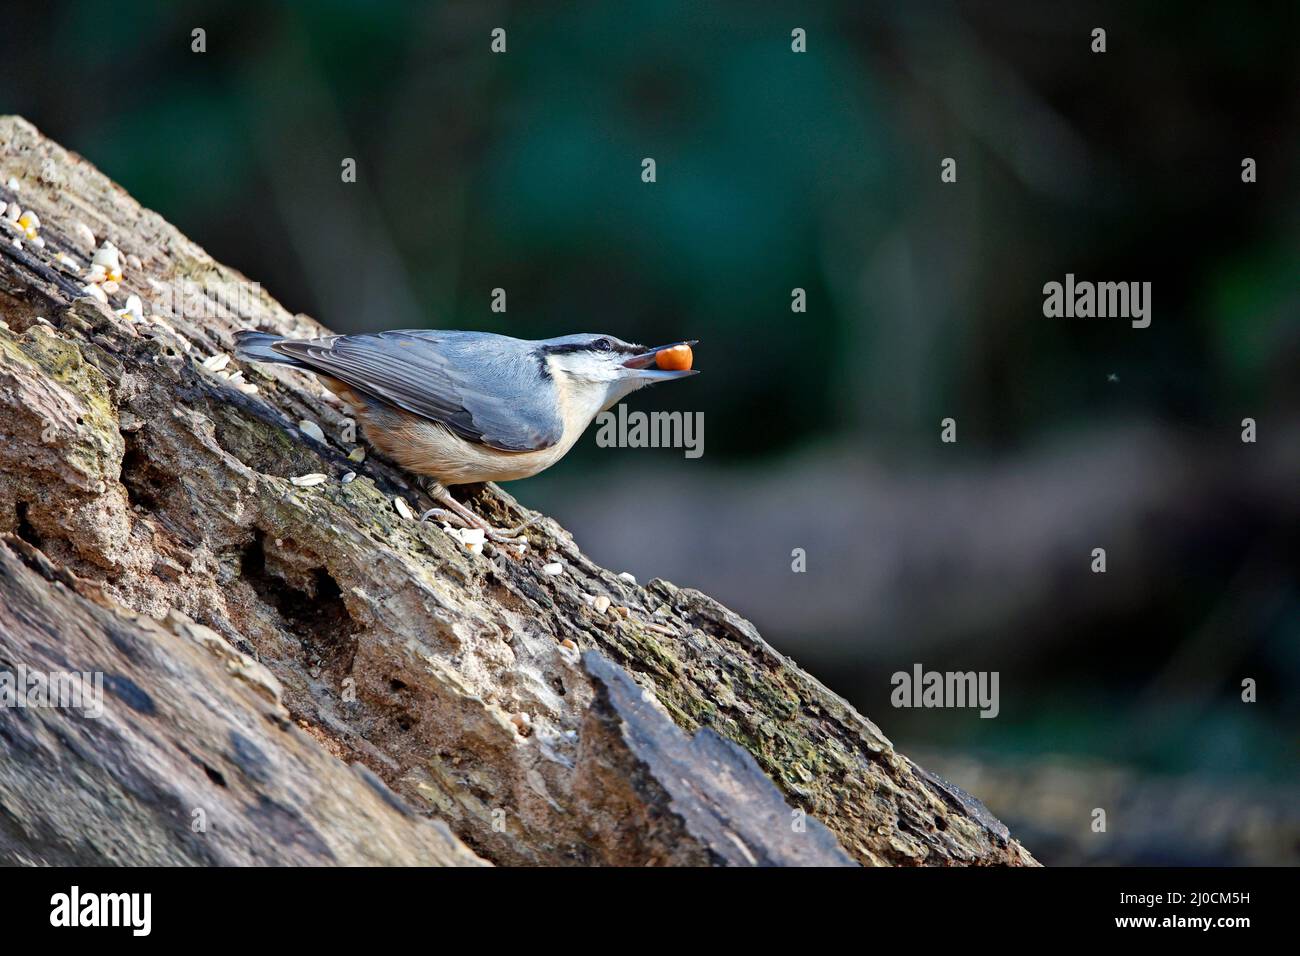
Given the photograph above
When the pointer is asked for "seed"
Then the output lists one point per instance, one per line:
(471, 538)
(96, 292)
(357, 454)
(83, 234)
(628, 577)
(350, 477)
(308, 427)
(403, 509)
(134, 310)
(552, 569)
(622, 611)
(568, 642)
(306, 481)
(13, 185)
(523, 723)
(107, 256)
(215, 363)
(676, 359)
(29, 222)
(12, 212)
(601, 604)
(248, 388)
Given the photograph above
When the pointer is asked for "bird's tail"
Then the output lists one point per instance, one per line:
(254, 346)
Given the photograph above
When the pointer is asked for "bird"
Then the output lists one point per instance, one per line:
(457, 407)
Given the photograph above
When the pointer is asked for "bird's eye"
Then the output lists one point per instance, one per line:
(601, 345)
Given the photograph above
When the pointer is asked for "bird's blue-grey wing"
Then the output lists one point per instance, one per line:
(485, 388)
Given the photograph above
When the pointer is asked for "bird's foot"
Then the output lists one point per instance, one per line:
(510, 535)
(463, 516)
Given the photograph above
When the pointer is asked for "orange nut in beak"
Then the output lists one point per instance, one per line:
(676, 359)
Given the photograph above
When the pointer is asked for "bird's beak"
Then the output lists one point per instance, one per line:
(643, 363)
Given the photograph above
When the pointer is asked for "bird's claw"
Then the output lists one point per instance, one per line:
(508, 534)
(443, 514)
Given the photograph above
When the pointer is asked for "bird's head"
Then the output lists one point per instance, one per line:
(599, 370)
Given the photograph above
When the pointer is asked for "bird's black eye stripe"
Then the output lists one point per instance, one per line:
(595, 345)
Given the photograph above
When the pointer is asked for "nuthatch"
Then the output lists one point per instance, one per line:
(462, 407)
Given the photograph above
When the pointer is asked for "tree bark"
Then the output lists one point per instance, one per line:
(328, 680)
